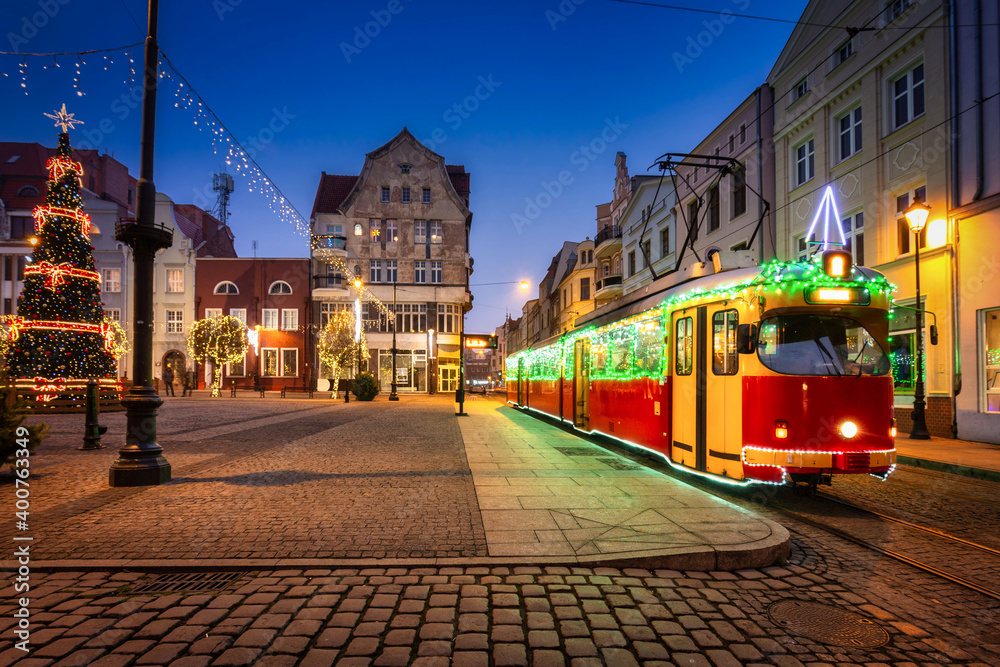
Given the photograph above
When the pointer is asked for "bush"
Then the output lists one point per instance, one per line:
(12, 412)
(365, 387)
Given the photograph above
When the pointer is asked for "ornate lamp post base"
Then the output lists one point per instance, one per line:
(140, 462)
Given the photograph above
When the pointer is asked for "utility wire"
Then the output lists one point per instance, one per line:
(72, 53)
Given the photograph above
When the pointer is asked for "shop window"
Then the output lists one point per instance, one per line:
(903, 349)
(990, 337)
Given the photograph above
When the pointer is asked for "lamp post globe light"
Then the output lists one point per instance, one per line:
(916, 218)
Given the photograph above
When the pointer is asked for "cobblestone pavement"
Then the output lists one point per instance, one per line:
(265, 479)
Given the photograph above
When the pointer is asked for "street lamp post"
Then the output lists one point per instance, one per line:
(916, 218)
(393, 396)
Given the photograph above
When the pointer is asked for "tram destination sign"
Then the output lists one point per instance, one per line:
(481, 341)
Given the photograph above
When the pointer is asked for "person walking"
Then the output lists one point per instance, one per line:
(168, 382)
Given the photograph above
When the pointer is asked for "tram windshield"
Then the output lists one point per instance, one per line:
(819, 345)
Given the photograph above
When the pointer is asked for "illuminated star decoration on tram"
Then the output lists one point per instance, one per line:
(64, 119)
(827, 206)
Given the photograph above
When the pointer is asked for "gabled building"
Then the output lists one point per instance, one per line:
(649, 231)
(608, 239)
(402, 228)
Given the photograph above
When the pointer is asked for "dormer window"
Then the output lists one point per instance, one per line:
(404, 168)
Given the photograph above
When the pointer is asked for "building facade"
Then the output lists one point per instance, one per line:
(271, 296)
(608, 239)
(649, 231)
(402, 228)
(865, 117)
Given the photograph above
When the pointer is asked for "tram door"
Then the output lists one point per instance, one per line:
(520, 381)
(723, 393)
(581, 384)
(688, 401)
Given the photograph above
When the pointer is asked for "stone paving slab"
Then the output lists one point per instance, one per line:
(545, 492)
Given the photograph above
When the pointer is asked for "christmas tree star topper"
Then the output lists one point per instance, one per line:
(64, 119)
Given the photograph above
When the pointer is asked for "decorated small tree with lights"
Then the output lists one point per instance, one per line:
(221, 339)
(337, 347)
(59, 340)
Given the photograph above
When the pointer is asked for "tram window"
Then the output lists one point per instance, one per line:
(819, 345)
(685, 346)
(724, 355)
(649, 348)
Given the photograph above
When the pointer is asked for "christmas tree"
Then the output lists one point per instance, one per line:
(58, 340)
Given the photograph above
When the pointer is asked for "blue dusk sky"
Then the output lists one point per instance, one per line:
(517, 91)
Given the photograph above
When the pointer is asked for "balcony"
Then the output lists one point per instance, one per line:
(329, 282)
(608, 287)
(608, 241)
(331, 242)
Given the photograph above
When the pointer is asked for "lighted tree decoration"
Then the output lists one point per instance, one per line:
(221, 339)
(337, 347)
(59, 340)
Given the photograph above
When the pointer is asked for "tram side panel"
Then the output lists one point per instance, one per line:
(545, 396)
(636, 411)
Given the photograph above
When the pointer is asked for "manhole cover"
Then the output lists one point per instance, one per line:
(187, 581)
(619, 464)
(579, 451)
(827, 624)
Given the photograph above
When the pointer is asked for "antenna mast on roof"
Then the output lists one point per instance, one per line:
(223, 184)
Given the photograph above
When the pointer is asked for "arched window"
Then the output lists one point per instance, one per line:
(94, 230)
(226, 287)
(27, 191)
(280, 287)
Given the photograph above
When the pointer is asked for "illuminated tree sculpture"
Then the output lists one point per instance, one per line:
(221, 339)
(337, 347)
(59, 340)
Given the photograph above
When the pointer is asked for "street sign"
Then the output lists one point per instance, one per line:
(481, 341)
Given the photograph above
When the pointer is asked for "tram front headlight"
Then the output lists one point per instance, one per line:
(848, 429)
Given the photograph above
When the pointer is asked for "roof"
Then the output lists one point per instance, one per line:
(459, 178)
(27, 169)
(333, 190)
(187, 227)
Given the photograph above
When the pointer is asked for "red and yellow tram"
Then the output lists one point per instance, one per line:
(773, 374)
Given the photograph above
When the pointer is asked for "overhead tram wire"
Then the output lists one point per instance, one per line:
(72, 53)
(773, 19)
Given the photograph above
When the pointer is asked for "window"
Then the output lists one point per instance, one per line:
(391, 274)
(989, 327)
(743, 133)
(375, 230)
(212, 312)
(280, 287)
(290, 319)
(269, 317)
(850, 133)
(289, 361)
(175, 321)
(845, 51)
(805, 167)
(269, 362)
(649, 348)
(803, 249)
(326, 310)
(385, 195)
(375, 271)
(713, 209)
(724, 355)
(22, 227)
(449, 378)
(335, 230)
(618, 265)
(819, 345)
(405, 197)
(449, 318)
(645, 252)
(175, 280)
(411, 317)
(436, 233)
(800, 89)
(114, 314)
(664, 242)
(426, 197)
(436, 272)
(358, 229)
(420, 231)
(112, 280)
(27, 191)
(240, 314)
(226, 287)
(742, 245)
(391, 231)
(404, 168)
(903, 347)
(732, 143)
(420, 272)
(908, 96)
(685, 346)
(584, 289)
(854, 235)
(738, 193)
(631, 263)
(238, 368)
(895, 8)
(903, 228)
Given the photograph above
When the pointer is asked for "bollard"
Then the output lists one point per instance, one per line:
(347, 391)
(92, 431)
